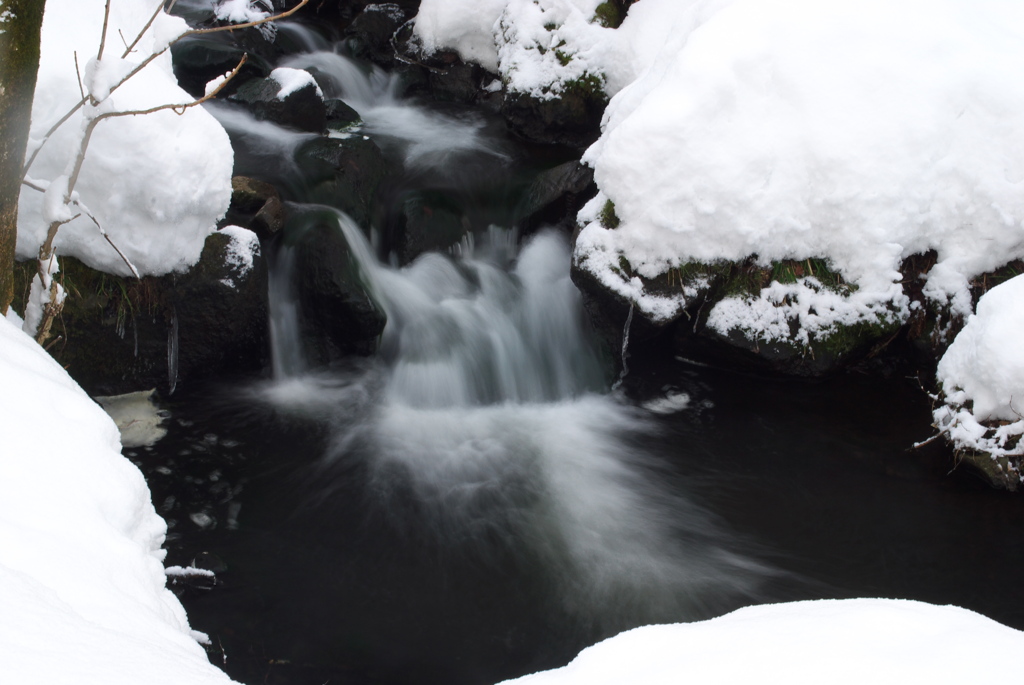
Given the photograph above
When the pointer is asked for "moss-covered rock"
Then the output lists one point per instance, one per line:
(118, 335)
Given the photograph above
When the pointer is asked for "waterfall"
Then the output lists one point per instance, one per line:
(487, 408)
(285, 345)
(486, 403)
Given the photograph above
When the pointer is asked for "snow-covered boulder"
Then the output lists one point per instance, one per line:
(889, 642)
(158, 182)
(82, 582)
(982, 381)
(778, 131)
(289, 97)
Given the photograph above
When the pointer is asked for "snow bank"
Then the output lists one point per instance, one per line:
(982, 376)
(157, 183)
(81, 574)
(861, 132)
(806, 643)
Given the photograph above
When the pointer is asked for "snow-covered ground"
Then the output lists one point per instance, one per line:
(158, 182)
(888, 642)
(82, 585)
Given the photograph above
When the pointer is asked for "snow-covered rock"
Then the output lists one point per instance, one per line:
(982, 379)
(889, 642)
(158, 182)
(857, 132)
(82, 583)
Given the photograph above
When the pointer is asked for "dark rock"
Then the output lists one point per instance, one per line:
(197, 60)
(430, 220)
(255, 205)
(369, 35)
(340, 116)
(609, 314)
(117, 335)
(302, 109)
(338, 314)
(572, 119)
(556, 195)
(343, 173)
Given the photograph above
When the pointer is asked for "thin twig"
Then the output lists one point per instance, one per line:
(78, 73)
(33, 185)
(103, 37)
(106, 236)
(152, 18)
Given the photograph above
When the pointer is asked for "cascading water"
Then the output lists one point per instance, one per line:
(485, 404)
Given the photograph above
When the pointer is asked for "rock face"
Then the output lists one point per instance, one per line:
(120, 335)
(338, 314)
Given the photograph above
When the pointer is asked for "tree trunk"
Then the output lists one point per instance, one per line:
(20, 25)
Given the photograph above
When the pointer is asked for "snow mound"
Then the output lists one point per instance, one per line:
(890, 642)
(291, 80)
(466, 26)
(982, 376)
(860, 132)
(157, 183)
(82, 583)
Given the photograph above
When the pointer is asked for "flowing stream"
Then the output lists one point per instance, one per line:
(475, 502)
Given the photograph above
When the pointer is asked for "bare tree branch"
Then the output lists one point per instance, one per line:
(103, 36)
(78, 73)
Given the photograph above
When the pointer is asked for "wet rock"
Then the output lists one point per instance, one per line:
(301, 109)
(343, 172)
(255, 205)
(369, 35)
(572, 119)
(340, 116)
(337, 312)
(200, 59)
(119, 335)
(429, 220)
(556, 195)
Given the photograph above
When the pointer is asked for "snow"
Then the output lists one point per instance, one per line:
(157, 183)
(858, 132)
(244, 11)
(82, 583)
(982, 375)
(241, 250)
(291, 80)
(547, 44)
(889, 642)
(465, 26)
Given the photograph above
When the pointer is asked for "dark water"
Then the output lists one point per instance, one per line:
(323, 580)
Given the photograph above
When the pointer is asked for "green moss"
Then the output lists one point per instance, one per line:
(563, 57)
(608, 218)
(589, 86)
(608, 15)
